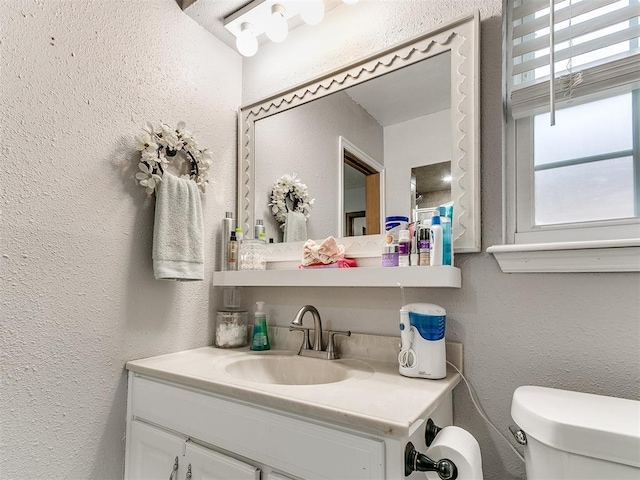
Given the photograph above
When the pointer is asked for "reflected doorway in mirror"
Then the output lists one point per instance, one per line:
(361, 183)
(431, 185)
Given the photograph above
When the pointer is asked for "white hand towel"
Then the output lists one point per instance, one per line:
(178, 252)
(295, 227)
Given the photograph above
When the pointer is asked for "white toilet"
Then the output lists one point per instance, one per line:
(578, 436)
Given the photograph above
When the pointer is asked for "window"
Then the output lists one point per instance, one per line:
(573, 157)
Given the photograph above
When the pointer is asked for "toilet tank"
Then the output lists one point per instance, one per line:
(572, 435)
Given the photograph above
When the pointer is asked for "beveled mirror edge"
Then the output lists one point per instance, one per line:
(465, 122)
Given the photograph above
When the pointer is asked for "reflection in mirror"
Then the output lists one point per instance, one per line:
(361, 187)
(354, 201)
(431, 185)
(403, 128)
(304, 140)
(393, 123)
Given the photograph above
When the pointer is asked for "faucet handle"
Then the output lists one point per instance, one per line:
(306, 342)
(332, 354)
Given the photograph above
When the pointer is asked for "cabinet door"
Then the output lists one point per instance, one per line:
(205, 464)
(154, 453)
(277, 476)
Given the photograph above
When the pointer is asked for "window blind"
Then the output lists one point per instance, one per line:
(595, 47)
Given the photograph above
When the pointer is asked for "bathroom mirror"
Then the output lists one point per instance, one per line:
(272, 141)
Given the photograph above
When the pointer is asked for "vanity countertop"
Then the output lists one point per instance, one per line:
(375, 397)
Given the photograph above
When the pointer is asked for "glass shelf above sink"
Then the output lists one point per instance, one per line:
(441, 276)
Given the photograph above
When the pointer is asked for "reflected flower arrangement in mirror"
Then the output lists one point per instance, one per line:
(289, 194)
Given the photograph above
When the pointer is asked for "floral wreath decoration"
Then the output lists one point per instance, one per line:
(289, 194)
(161, 141)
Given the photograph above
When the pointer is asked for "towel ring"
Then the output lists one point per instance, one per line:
(193, 169)
(158, 145)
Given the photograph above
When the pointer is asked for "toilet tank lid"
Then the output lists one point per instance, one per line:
(592, 425)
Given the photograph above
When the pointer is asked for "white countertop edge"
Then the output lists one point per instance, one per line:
(307, 400)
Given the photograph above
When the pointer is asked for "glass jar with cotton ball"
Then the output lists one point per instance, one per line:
(253, 254)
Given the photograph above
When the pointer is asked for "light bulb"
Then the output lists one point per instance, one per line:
(246, 42)
(277, 28)
(350, 2)
(312, 11)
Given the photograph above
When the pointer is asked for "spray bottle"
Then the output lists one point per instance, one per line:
(435, 245)
(228, 226)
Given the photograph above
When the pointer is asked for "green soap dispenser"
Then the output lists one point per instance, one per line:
(260, 340)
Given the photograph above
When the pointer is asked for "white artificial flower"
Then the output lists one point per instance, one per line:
(151, 130)
(144, 141)
(149, 156)
(147, 178)
(170, 137)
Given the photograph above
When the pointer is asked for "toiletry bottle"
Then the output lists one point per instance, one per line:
(260, 338)
(447, 246)
(259, 229)
(424, 247)
(228, 226)
(435, 244)
(404, 242)
(240, 240)
(232, 253)
(414, 258)
(390, 255)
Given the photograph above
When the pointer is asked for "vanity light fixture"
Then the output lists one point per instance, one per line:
(277, 27)
(446, 178)
(246, 41)
(312, 11)
(271, 17)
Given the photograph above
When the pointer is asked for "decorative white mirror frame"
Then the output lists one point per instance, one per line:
(461, 37)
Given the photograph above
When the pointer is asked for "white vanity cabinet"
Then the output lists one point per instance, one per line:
(156, 453)
(206, 464)
(263, 437)
(185, 406)
(153, 453)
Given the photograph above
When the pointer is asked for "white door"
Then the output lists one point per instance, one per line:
(154, 453)
(205, 464)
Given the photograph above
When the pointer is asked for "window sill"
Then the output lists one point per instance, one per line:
(565, 257)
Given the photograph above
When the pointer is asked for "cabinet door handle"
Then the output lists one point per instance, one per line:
(188, 477)
(174, 472)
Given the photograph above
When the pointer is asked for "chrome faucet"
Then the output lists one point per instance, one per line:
(317, 325)
(317, 351)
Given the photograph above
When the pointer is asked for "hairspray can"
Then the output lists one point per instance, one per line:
(228, 226)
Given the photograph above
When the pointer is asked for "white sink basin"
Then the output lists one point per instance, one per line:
(294, 370)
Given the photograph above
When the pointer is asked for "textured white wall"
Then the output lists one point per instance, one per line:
(304, 140)
(573, 331)
(78, 299)
(414, 143)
